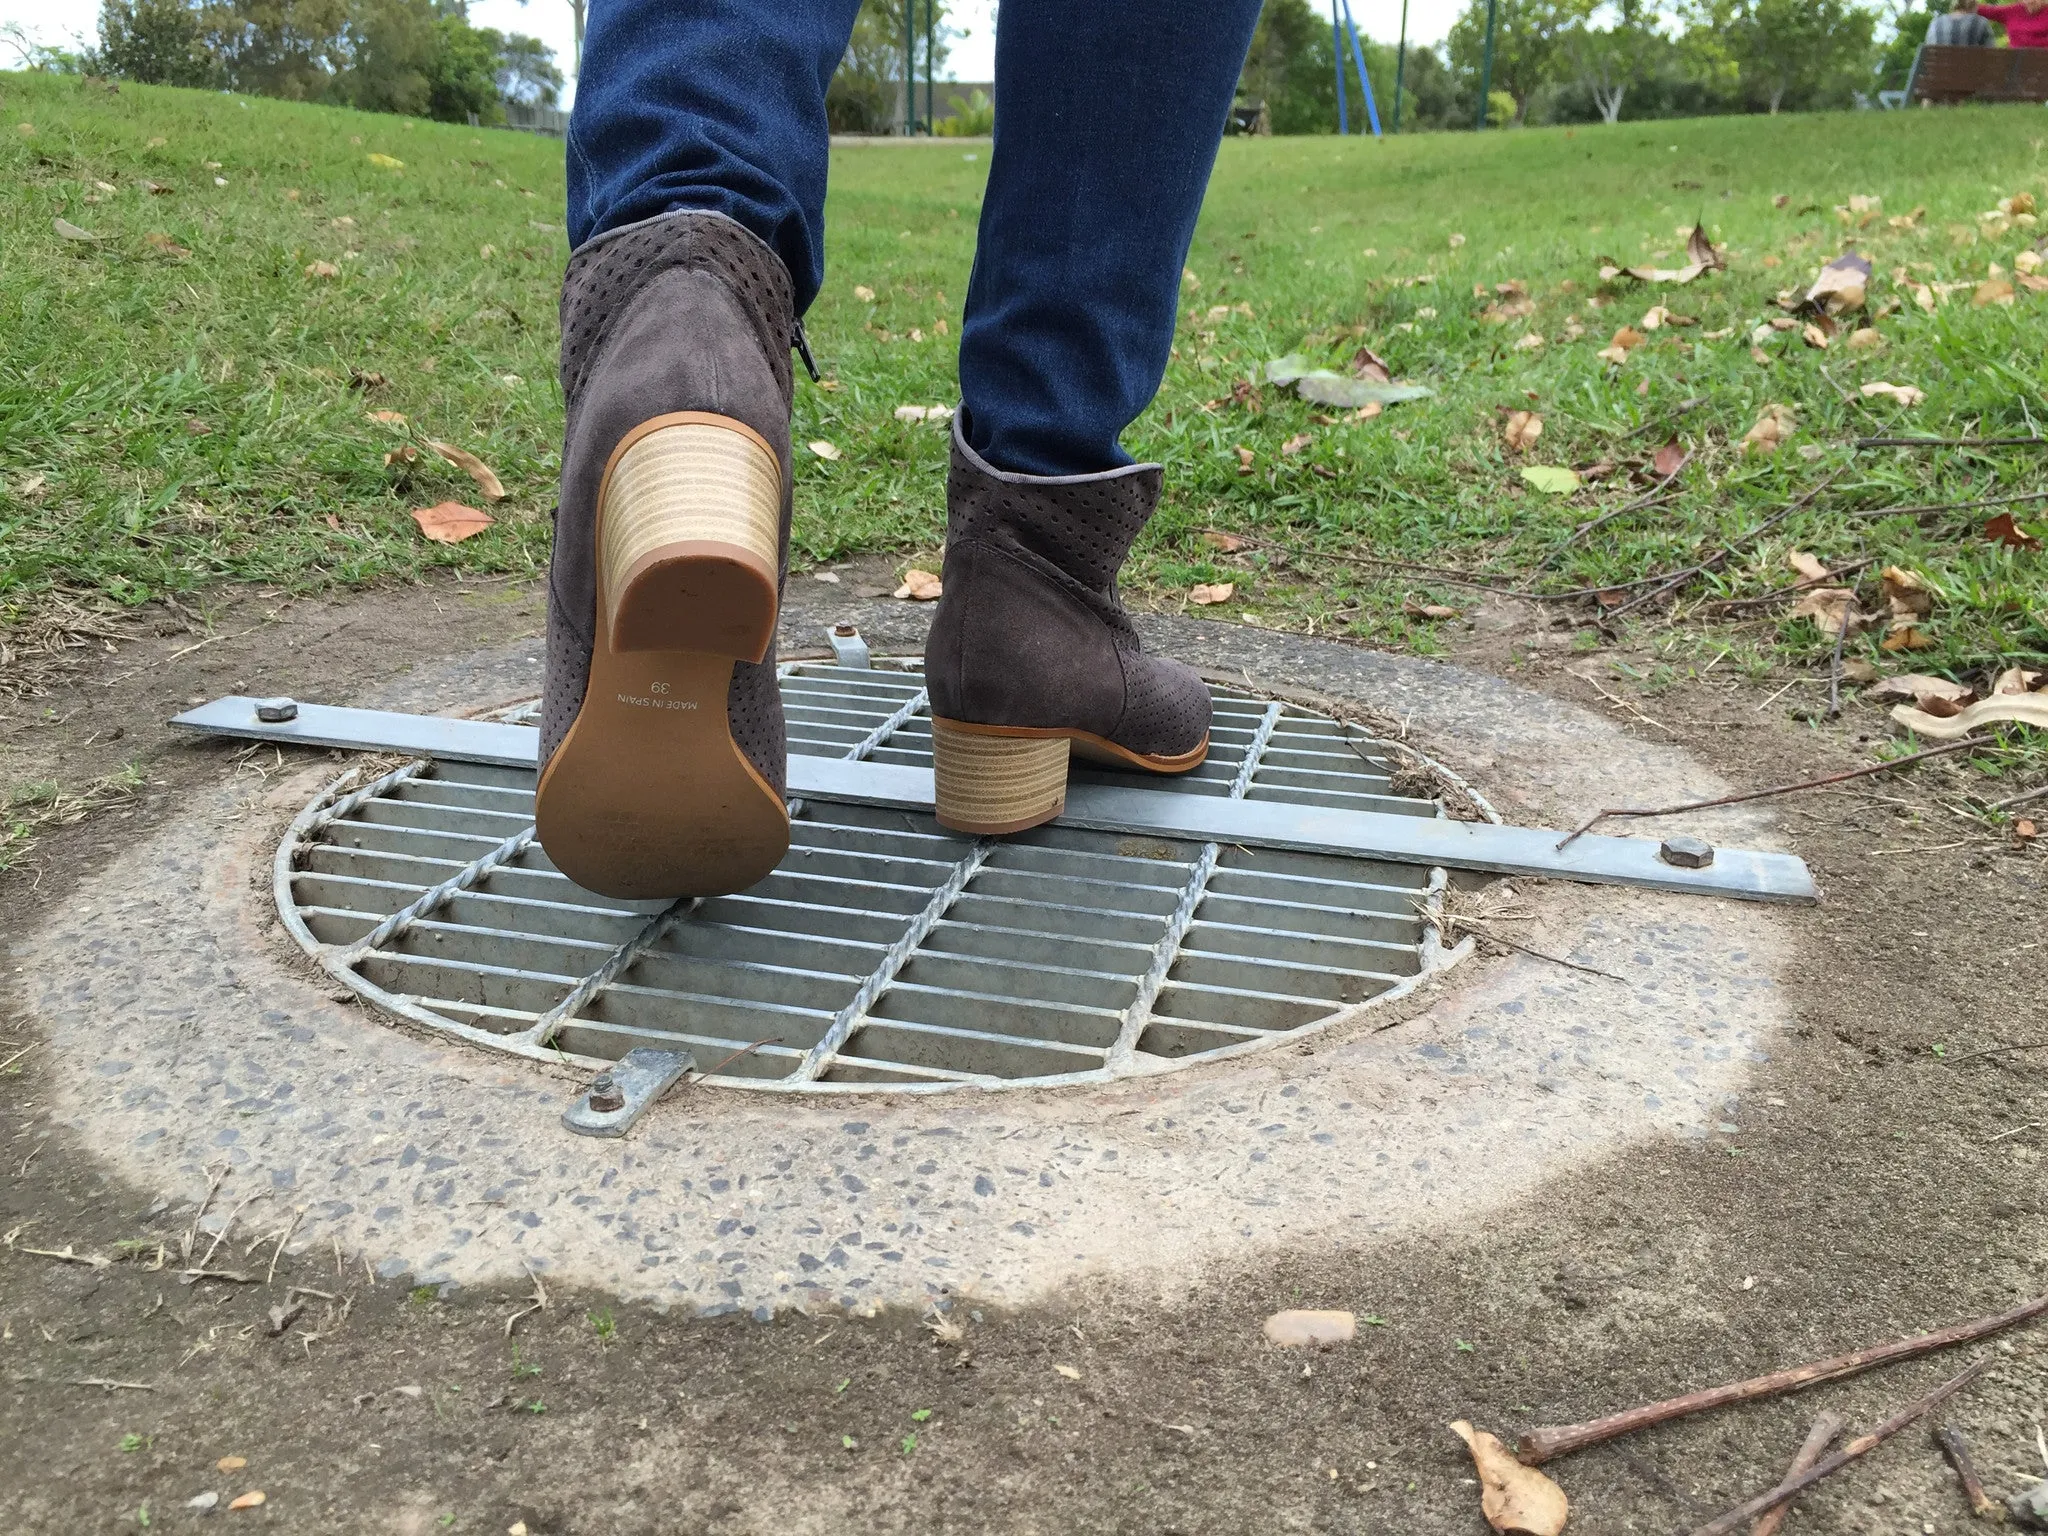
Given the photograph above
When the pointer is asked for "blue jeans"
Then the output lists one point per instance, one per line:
(1108, 113)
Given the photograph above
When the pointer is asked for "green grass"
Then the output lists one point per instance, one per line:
(109, 348)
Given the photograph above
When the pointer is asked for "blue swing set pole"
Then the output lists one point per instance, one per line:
(1337, 48)
(1372, 111)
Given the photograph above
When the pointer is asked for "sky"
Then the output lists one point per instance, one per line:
(68, 23)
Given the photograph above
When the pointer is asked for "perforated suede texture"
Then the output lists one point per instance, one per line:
(1030, 630)
(685, 312)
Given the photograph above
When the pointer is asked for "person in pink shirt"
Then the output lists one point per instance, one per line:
(2025, 22)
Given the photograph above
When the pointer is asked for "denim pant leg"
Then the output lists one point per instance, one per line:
(1108, 116)
(716, 105)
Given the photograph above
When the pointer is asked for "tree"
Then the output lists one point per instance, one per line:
(288, 48)
(527, 72)
(1909, 31)
(158, 42)
(1529, 45)
(1802, 53)
(1608, 60)
(866, 92)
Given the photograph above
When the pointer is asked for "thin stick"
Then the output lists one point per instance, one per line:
(1607, 517)
(2019, 799)
(1994, 1050)
(1957, 1453)
(1818, 1439)
(1950, 442)
(113, 1386)
(10, 1061)
(1835, 668)
(1728, 552)
(1803, 584)
(1949, 506)
(221, 1236)
(1498, 938)
(1540, 1445)
(1776, 789)
(278, 1252)
(1791, 1487)
(734, 1056)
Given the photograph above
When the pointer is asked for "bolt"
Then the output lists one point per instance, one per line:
(1687, 852)
(276, 711)
(844, 631)
(605, 1095)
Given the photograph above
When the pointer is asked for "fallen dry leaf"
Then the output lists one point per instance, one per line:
(2005, 530)
(1669, 459)
(1840, 285)
(322, 269)
(1529, 343)
(2017, 680)
(1909, 593)
(1865, 340)
(1368, 364)
(404, 454)
(864, 293)
(1229, 543)
(388, 418)
(1905, 394)
(1993, 290)
(931, 413)
(1920, 688)
(2026, 709)
(248, 1500)
(1832, 609)
(1516, 1500)
(450, 522)
(1069, 1372)
(164, 245)
(1521, 429)
(472, 466)
(1297, 1329)
(232, 1463)
(1209, 594)
(1616, 355)
(197, 428)
(1627, 338)
(71, 231)
(919, 587)
(1807, 565)
(824, 450)
(1774, 424)
(1814, 337)
(1415, 610)
(387, 162)
(1296, 443)
(1244, 461)
(2025, 831)
(1702, 252)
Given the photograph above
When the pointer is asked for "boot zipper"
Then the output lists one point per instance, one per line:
(803, 350)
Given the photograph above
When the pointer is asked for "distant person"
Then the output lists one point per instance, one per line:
(1963, 27)
(2025, 23)
(697, 157)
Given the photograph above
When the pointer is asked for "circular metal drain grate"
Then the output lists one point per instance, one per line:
(885, 953)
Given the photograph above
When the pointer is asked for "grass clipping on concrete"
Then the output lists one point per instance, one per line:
(229, 360)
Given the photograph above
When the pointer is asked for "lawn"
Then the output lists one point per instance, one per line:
(190, 398)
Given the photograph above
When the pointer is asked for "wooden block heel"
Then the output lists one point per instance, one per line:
(993, 779)
(648, 796)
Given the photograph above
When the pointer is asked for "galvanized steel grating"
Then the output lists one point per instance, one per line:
(884, 953)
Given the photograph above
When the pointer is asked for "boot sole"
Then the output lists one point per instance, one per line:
(995, 779)
(648, 796)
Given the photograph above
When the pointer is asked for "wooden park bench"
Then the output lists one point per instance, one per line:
(1948, 75)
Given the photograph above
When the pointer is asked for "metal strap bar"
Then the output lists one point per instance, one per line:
(1479, 846)
(432, 900)
(854, 1014)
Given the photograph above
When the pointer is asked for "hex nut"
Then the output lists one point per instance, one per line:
(1687, 852)
(276, 711)
(604, 1094)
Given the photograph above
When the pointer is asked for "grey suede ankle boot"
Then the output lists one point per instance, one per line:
(1031, 657)
(662, 752)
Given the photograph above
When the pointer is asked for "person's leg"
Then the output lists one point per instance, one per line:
(711, 105)
(1107, 121)
(697, 180)
(1108, 118)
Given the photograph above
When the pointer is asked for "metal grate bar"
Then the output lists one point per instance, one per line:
(1138, 1016)
(854, 1014)
(651, 932)
(434, 899)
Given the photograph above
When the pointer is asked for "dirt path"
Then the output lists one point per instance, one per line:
(1871, 1189)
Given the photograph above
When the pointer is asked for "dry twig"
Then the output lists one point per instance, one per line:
(1776, 789)
(1715, 562)
(1957, 1452)
(1791, 1487)
(1818, 1439)
(1540, 1445)
(113, 1386)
